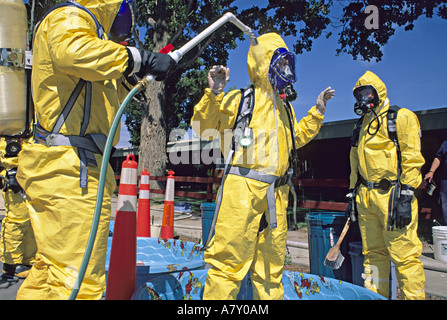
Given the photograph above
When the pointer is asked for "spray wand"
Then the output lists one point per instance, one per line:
(143, 83)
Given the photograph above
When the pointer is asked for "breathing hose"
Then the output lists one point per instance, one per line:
(176, 55)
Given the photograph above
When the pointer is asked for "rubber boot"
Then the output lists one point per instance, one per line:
(8, 277)
(22, 271)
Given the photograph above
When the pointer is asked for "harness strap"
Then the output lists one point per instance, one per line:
(218, 199)
(377, 185)
(85, 156)
(272, 180)
(87, 145)
(396, 185)
(68, 106)
(243, 118)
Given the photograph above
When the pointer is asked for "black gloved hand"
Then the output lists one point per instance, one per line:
(350, 211)
(156, 64)
(13, 184)
(403, 209)
(143, 62)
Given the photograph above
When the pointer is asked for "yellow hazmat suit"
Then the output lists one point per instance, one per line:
(375, 158)
(17, 245)
(237, 247)
(66, 49)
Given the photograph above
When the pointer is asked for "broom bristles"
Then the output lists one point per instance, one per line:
(335, 263)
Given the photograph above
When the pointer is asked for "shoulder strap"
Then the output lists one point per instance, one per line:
(244, 115)
(76, 92)
(392, 134)
(246, 106)
(293, 157)
(356, 132)
(391, 123)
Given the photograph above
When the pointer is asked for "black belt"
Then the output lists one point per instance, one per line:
(384, 184)
(283, 180)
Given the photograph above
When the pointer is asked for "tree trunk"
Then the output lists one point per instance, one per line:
(152, 153)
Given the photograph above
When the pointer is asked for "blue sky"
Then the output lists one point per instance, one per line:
(414, 69)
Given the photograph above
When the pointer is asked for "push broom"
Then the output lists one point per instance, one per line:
(334, 258)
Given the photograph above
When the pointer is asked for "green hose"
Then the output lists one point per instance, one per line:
(176, 55)
(102, 179)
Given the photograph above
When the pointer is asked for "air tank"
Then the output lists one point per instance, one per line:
(13, 40)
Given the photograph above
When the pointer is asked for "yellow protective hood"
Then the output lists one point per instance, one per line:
(371, 79)
(259, 57)
(104, 10)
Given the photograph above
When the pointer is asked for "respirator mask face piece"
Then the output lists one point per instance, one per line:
(282, 74)
(121, 29)
(366, 99)
(13, 147)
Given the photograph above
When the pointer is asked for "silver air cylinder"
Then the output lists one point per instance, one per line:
(13, 39)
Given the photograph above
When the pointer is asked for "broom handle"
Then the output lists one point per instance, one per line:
(343, 233)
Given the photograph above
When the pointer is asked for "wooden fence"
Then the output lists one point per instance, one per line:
(210, 196)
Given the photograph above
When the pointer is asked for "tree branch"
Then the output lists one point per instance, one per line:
(182, 26)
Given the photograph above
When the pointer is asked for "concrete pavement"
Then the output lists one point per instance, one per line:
(190, 226)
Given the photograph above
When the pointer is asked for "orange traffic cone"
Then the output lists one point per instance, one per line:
(167, 226)
(122, 274)
(144, 207)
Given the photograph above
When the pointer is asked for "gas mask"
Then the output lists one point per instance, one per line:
(366, 100)
(13, 147)
(121, 30)
(282, 73)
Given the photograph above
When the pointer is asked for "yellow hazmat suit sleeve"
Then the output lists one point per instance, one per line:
(67, 37)
(67, 31)
(216, 113)
(308, 127)
(410, 145)
(215, 116)
(66, 49)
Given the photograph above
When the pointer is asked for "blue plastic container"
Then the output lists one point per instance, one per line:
(324, 231)
(207, 218)
(355, 251)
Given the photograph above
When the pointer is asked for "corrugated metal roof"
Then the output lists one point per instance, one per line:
(432, 119)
